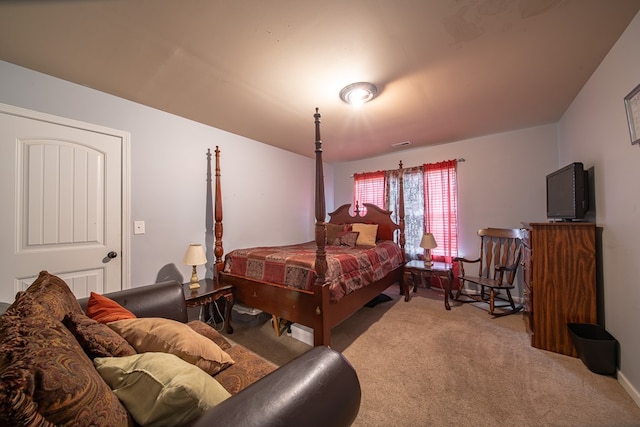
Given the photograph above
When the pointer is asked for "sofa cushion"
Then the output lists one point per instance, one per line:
(53, 294)
(97, 339)
(45, 375)
(160, 389)
(104, 310)
(155, 334)
(249, 368)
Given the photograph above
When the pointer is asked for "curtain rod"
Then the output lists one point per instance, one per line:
(460, 160)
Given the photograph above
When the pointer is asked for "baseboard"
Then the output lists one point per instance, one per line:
(629, 388)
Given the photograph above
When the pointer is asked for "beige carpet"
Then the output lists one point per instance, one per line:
(420, 365)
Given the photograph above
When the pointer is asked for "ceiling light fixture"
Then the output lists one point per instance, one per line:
(357, 94)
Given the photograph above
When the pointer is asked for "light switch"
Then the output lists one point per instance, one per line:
(138, 227)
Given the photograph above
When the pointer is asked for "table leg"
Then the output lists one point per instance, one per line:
(447, 290)
(227, 312)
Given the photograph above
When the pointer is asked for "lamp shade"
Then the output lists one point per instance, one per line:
(428, 241)
(195, 255)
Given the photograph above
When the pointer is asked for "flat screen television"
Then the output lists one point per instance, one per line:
(567, 193)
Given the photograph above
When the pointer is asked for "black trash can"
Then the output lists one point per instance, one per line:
(596, 347)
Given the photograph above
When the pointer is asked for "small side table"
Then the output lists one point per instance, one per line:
(210, 291)
(438, 269)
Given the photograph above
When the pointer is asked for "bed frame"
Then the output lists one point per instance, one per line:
(313, 308)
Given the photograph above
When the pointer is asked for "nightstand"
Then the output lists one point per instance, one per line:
(441, 270)
(207, 294)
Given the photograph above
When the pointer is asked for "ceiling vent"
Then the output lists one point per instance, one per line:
(401, 144)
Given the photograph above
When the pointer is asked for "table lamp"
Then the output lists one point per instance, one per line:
(194, 256)
(428, 242)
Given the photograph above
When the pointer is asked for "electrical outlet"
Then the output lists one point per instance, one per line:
(138, 227)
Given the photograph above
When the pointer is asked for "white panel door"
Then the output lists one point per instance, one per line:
(62, 185)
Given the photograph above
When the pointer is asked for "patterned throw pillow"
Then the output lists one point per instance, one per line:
(97, 339)
(333, 230)
(248, 369)
(46, 378)
(54, 294)
(346, 238)
(206, 330)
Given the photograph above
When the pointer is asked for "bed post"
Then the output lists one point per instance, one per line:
(402, 238)
(321, 336)
(218, 250)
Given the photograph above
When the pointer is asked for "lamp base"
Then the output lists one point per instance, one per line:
(195, 283)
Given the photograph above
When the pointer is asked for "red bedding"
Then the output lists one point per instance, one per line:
(349, 268)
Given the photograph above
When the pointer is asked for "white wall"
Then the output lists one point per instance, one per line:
(501, 183)
(267, 192)
(594, 130)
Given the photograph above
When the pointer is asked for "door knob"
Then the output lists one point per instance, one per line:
(112, 254)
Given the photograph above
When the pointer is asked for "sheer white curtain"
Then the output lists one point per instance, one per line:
(413, 207)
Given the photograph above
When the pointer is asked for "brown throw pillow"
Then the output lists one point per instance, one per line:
(169, 336)
(97, 339)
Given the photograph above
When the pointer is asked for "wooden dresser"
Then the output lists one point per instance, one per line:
(559, 281)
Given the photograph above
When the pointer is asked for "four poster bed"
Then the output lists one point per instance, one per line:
(318, 284)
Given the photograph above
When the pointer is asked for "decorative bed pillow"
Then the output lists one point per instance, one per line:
(332, 232)
(97, 339)
(367, 236)
(104, 310)
(151, 334)
(346, 238)
(160, 389)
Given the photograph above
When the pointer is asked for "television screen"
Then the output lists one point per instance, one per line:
(567, 195)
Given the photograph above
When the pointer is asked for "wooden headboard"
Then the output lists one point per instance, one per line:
(373, 215)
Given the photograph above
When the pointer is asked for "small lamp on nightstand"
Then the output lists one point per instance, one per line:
(194, 256)
(428, 242)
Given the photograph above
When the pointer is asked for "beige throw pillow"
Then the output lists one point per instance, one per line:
(160, 389)
(170, 336)
(367, 236)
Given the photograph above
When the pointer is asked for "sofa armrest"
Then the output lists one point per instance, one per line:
(318, 388)
(164, 299)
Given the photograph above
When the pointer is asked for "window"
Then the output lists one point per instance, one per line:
(430, 203)
(441, 208)
(369, 188)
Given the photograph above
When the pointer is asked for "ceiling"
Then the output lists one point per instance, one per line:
(446, 70)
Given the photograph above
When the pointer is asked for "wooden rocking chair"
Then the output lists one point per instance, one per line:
(500, 254)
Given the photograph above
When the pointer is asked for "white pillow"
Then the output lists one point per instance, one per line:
(160, 389)
(367, 236)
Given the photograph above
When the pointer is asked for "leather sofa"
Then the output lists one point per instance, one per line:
(319, 388)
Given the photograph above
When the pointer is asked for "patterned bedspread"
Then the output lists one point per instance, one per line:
(348, 268)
